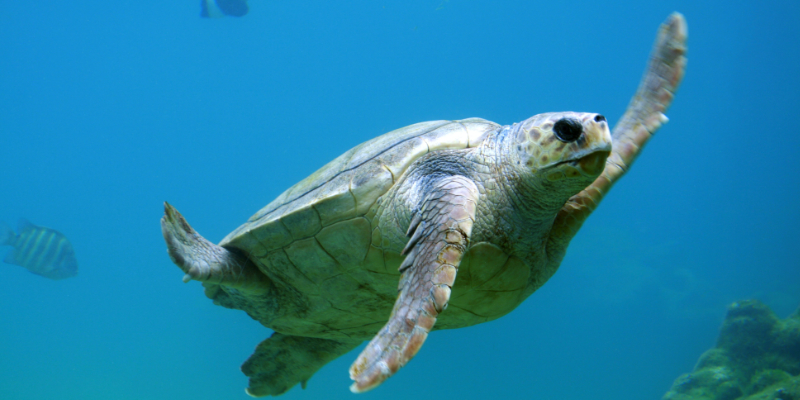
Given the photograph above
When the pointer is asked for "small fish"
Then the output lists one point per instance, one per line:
(43, 251)
(221, 8)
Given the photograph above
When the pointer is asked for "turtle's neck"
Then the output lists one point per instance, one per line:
(532, 198)
(514, 211)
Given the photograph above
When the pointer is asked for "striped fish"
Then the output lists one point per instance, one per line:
(41, 250)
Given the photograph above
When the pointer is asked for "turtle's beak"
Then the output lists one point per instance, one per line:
(594, 163)
(598, 146)
(598, 137)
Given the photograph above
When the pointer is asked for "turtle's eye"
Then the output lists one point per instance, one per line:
(568, 129)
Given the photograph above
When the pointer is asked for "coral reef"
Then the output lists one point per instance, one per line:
(757, 357)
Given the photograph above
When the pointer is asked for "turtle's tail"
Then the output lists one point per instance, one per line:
(204, 261)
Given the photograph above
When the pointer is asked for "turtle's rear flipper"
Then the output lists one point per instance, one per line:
(283, 361)
(204, 261)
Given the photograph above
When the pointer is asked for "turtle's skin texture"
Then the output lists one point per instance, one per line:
(438, 225)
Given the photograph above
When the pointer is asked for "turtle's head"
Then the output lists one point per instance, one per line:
(559, 154)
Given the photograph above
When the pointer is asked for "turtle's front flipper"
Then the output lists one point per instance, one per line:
(283, 361)
(644, 116)
(204, 261)
(440, 235)
(645, 113)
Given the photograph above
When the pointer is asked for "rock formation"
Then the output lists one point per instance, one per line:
(757, 357)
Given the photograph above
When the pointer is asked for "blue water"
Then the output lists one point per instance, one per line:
(107, 109)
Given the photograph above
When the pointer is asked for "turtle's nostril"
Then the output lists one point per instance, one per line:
(599, 118)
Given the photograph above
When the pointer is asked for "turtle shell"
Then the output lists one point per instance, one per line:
(349, 185)
(315, 241)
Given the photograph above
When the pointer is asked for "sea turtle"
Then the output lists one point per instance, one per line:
(470, 218)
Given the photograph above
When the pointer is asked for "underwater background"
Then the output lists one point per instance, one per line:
(109, 108)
